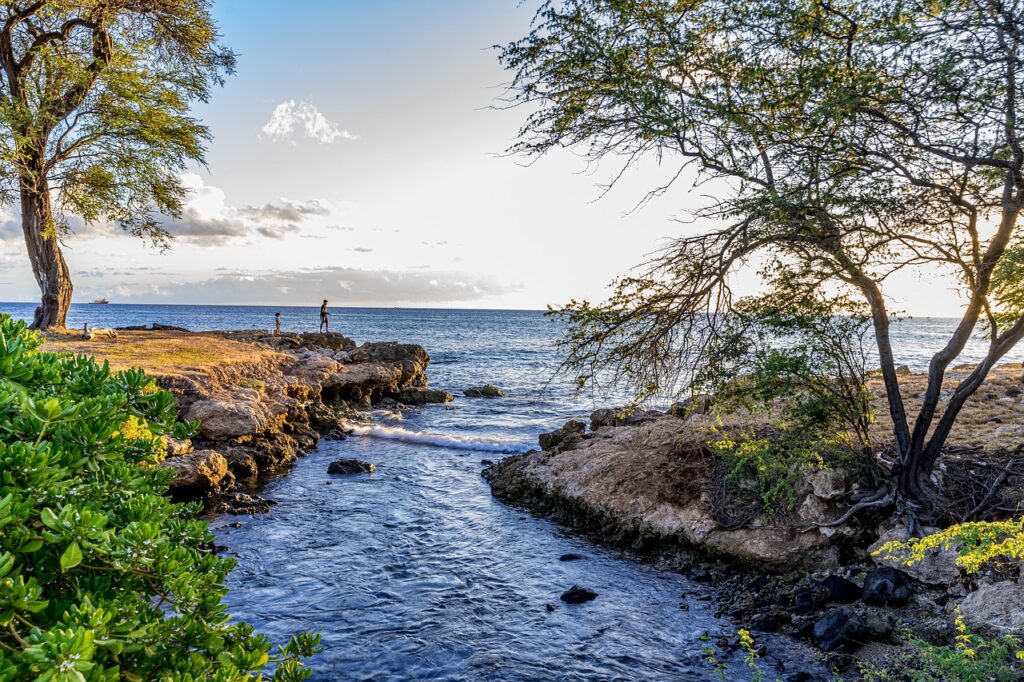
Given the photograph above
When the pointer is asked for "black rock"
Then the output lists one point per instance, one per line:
(350, 466)
(800, 676)
(887, 586)
(549, 607)
(840, 628)
(683, 606)
(766, 622)
(486, 462)
(578, 595)
(803, 601)
(840, 589)
(570, 557)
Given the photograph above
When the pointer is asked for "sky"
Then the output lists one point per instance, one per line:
(358, 155)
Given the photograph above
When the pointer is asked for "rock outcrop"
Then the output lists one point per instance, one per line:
(642, 482)
(995, 610)
(259, 414)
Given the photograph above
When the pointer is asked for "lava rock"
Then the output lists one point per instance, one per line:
(564, 436)
(840, 628)
(570, 557)
(485, 391)
(578, 595)
(841, 590)
(887, 586)
(350, 466)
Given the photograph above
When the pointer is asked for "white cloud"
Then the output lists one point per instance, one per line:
(290, 118)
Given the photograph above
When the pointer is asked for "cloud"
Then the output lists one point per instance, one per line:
(361, 249)
(292, 211)
(277, 231)
(290, 118)
(342, 286)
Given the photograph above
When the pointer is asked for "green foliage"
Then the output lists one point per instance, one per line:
(96, 105)
(797, 355)
(978, 543)
(102, 577)
(971, 658)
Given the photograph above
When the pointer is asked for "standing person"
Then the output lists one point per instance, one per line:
(324, 324)
(277, 324)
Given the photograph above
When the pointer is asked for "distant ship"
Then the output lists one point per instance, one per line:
(99, 301)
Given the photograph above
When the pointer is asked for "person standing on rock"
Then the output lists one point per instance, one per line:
(277, 324)
(324, 324)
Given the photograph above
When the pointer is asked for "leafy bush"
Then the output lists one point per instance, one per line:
(102, 577)
(971, 658)
(979, 543)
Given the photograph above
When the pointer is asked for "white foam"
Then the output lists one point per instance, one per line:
(438, 439)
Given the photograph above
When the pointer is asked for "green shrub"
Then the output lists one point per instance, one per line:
(102, 577)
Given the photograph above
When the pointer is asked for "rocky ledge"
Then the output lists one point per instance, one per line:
(257, 417)
(261, 400)
(651, 480)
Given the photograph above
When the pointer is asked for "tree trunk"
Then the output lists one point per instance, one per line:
(44, 253)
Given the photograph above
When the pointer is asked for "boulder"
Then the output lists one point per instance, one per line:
(840, 590)
(569, 432)
(828, 484)
(903, 370)
(422, 396)
(996, 609)
(887, 586)
(350, 466)
(578, 595)
(200, 470)
(938, 567)
(813, 510)
(606, 416)
(840, 628)
(694, 404)
(177, 446)
(485, 391)
(571, 556)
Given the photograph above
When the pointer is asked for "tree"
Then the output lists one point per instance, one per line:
(94, 112)
(846, 140)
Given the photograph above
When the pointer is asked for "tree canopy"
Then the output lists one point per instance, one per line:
(844, 141)
(95, 119)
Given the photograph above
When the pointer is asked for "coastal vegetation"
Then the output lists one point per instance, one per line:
(844, 142)
(102, 576)
(95, 122)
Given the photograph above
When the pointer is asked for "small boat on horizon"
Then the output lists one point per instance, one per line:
(99, 301)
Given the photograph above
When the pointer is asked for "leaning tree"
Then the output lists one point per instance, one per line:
(94, 112)
(844, 141)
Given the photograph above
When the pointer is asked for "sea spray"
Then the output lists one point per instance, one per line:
(453, 442)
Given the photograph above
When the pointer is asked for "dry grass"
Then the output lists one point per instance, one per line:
(163, 354)
(992, 419)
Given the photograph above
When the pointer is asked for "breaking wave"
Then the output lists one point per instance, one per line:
(440, 440)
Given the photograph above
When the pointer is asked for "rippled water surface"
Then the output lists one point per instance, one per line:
(415, 571)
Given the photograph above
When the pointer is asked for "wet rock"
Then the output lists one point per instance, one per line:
(549, 607)
(770, 621)
(841, 590)
(996, 609)
(903, 370)
(569, 432)
(485, 391)
(200, 470)
(486, 462)
(239, 503)
(887, 586)
(350, 466)
(422, 396)
(578, 595)
(242, 464)
(571, 557)
(840, 628)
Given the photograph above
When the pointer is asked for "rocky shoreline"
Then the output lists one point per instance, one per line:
(261, 400)
(648, 484)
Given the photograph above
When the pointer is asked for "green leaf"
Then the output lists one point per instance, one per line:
(71, 557)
